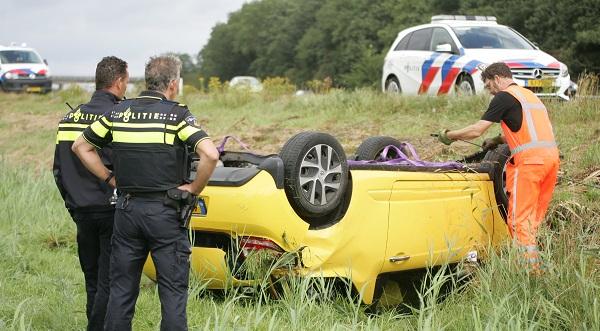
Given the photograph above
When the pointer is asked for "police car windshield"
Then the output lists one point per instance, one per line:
(498, 37)
(19, 57)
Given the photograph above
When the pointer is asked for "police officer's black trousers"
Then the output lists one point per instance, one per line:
(146, 225)
(94, 231)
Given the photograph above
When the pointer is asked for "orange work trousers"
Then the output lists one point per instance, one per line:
(530, 183)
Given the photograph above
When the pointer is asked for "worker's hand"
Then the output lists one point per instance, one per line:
(492, 143)
(442, 136)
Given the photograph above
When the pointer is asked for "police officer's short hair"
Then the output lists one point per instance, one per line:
(109, 69)
(160, 71)
(496, 69)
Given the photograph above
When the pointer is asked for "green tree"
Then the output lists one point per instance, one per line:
(219, 58)
(347, 40)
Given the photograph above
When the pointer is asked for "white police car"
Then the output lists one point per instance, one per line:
(447, 55)
(22, 69)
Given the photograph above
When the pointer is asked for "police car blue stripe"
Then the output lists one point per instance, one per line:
(427, 65)
(471, 66)
(448, 64)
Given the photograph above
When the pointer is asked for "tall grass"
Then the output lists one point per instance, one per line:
(41, 286)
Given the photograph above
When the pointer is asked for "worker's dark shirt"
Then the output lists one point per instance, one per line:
(148, 135)
(504, 107)
(80, 189)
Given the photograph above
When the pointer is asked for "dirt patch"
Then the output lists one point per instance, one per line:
(54, 241)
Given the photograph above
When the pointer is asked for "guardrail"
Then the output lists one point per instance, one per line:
(85, 82)
(86, 79)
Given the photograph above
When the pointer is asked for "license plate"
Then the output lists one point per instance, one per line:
(34, 89)
(540, 82)
(201, 208)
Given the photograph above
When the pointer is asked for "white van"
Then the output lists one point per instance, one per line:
(23, 70)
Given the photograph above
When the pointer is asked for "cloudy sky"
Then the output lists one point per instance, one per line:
(73, 35)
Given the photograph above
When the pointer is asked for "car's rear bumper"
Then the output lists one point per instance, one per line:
(27, 85)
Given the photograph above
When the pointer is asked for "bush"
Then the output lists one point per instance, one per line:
(320, 86)
(215, 85)
(274, 87)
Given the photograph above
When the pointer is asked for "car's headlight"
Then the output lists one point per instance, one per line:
(9, 75)
(564, 71)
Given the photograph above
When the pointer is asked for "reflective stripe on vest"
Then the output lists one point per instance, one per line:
(535, 144)
(519, 141)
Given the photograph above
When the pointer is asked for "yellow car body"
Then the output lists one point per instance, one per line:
(395, 221)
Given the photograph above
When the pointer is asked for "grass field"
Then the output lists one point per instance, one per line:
(41, 286)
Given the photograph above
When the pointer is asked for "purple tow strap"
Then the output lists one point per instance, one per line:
(384, 159)
(403, 159)
(221, 147)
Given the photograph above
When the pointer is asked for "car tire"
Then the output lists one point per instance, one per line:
(392, 85)
(498, 158)
(465, 85)
(315, 174)
(372, 147)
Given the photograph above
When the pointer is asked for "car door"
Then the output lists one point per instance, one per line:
(436, 218)
(408, 60)
(395, 62)
(443, 62)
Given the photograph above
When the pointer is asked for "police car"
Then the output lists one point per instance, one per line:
(447, 56)
(22, 69)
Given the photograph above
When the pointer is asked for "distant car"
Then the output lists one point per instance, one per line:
(23, 70)
(447, 56)
(354, 220)
(246, 82)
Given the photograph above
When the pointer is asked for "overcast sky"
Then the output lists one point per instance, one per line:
(73, 35)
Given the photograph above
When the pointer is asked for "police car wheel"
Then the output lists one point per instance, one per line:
(392, 85)
(498, 157)
(465, 86)
(373, 147)
(315, 173)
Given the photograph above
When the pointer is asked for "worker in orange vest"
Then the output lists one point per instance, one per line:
(531, 171)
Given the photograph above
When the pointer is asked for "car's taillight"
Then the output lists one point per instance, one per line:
(248, 244)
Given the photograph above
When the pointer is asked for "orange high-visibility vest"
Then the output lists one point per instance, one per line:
(536, 129)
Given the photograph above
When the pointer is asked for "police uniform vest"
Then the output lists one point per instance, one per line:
(80, 189)
(147, 154)
(149, 135)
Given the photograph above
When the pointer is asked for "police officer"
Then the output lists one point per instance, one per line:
(87, 197)
(149, 135)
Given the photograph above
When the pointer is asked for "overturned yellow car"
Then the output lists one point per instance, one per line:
(360, 220)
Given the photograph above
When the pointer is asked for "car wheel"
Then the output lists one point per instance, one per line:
(498, 157)
(392, 85)
(372, 147)
(465, 86)
(315, 173)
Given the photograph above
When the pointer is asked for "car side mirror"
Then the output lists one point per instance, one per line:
(45, 62)
(443, 48)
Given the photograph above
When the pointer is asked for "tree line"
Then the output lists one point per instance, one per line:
(347, 40)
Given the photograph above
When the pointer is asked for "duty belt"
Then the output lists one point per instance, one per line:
(148, 195)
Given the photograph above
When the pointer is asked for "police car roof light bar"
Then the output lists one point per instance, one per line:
(462, 18)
